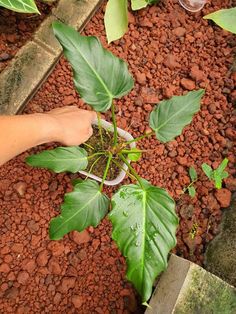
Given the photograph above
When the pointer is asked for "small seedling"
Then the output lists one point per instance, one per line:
(143, 216)
(217, 175)
(193, 176)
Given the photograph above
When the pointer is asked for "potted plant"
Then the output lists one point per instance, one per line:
(142, 215)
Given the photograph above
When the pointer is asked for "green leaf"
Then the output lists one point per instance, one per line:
(218, 180)
(144, 225)
(219, 174)
(207, 170)
(192, 174)
(222, 166)
(191, 191)
(60, 159)
(116, 19)
(99, 76)
(85, 206)
(138, 4)
(224, 18)
(170, 117)
(134, 154)
(21, 6)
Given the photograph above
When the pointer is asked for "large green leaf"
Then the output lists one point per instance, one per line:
(144, 225)
(22, 6)
(85, 206)
(225, 18)
(170, 117)
(60, 159)
(116, 19)
(99, 76)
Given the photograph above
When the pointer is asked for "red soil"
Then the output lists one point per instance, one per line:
(169, 52)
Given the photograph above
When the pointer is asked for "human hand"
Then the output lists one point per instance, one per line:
(72, 126)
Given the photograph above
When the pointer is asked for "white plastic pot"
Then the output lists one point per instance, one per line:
(125, 135)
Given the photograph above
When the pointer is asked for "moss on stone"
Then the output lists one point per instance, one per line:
(205, 293)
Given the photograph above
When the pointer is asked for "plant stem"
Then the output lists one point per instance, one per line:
(120, 167)
(114, 123)
(96, 154)
(100, 128)
(106, 170)
(131, 169)
(85, 144)
(140, 137)
(185, 189)
(93, 164)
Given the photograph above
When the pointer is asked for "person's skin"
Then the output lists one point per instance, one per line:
(68, 126)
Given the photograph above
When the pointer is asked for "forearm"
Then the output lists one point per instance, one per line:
(19, 133)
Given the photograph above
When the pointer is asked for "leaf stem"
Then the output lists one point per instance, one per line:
(93, 164)
(100, 128)
(96, 154)
(131, 169)
(85, 144)
(106, 171)
(120, 167)
(140, 137)
(114, 123)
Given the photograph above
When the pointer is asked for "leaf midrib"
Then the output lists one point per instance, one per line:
(92, 69)
(144, 233)
(61, 225)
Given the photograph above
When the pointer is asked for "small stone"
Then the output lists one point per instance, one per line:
(141, 78)
(95, 244)
(20, 188)
(170, 62)
(179, 31)
(77, 300)
(29, 265)
(57, 248)
(66, 284)
(23, 277)
(223, 196)
(80, 237)
(4, 56)
(32, 226)
(69, 100)
(196, 73)
(54, 267)
(187, 84)
(17, 248)
(4, 268)
(11, 293)
(42, 258)
(57, 298)
(182, 160)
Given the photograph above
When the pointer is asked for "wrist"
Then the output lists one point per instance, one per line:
(48, 128)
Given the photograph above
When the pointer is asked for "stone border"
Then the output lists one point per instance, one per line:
(37, 58)
(186, 288)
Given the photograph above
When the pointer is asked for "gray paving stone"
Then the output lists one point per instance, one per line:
(186, 288)
(22, 78)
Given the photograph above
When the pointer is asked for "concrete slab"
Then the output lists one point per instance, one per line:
(21, 78)
(186, 288)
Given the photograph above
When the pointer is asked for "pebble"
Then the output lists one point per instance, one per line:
(80, 237)
(187, 84)
(223, 197)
